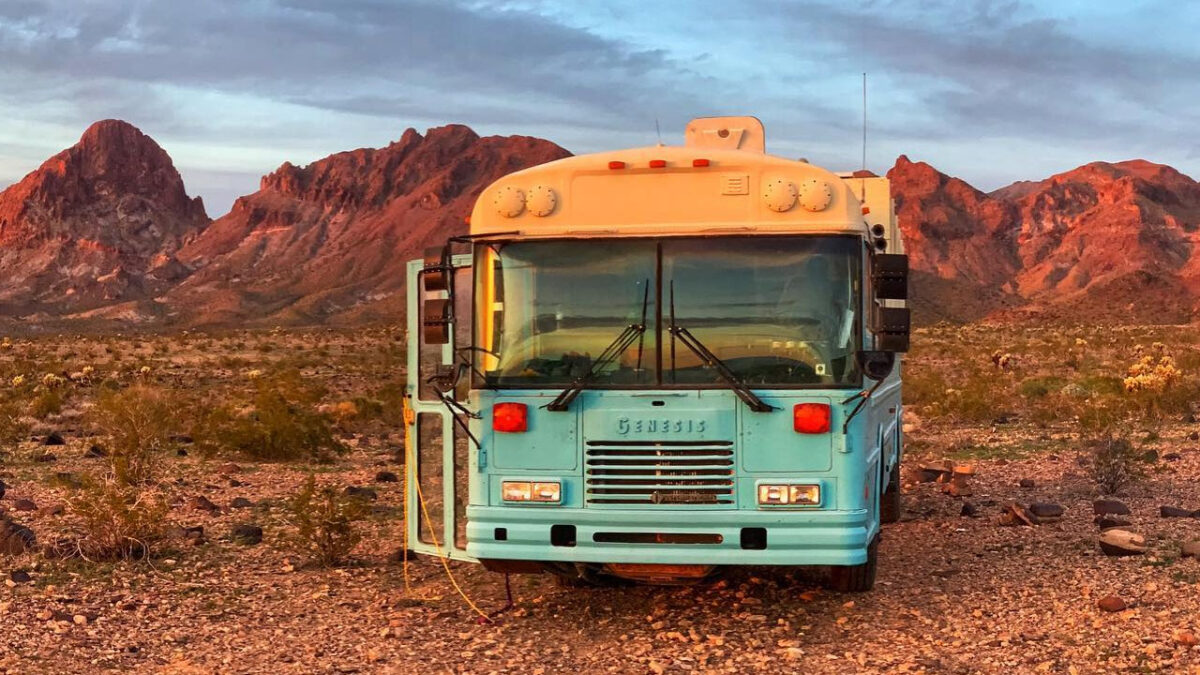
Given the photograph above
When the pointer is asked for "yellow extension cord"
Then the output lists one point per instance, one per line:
(410, 462)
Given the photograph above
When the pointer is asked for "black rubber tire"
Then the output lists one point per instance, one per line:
(889, 501)
(856, 578)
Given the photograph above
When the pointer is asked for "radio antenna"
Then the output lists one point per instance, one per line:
(862, 194)
(864, 125)
(657, 130)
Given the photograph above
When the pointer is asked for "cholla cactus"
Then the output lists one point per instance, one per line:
(18, 380)
(144, 371)
(51, 381)
(88, 371)
(6, 343)
(253, 374)
(1080, 342)
(1152, 373)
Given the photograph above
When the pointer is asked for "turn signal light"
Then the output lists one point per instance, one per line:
(616, 165)
(699, 162)
(658, 163)
(510, 417)
(811, 418)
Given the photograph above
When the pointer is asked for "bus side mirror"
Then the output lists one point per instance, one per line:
(892, 327)
(876, 365)
(435, 321)
(889, 276)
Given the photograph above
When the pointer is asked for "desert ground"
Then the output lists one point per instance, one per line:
(117, 448)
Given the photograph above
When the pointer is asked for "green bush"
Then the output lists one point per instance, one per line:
(1114, 463)
(46, 402)
(117, 520)
(138, 424)
(326, 521)
(281, 424)
(13, 427)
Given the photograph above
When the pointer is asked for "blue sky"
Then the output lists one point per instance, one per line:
(992, 91)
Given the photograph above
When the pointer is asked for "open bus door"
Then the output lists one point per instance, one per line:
(437, 450)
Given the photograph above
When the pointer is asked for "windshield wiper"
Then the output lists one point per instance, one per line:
(740, 388)
(614, 349)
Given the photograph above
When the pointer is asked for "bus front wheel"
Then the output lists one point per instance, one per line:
(856, 578)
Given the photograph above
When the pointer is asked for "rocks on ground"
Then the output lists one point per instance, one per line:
(1117, 542)
(1110, 507)
(15, 538)
(247, 534)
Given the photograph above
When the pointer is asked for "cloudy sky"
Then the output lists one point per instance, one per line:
(992, 91)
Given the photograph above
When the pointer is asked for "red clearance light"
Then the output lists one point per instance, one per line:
(510, 417)
(616, 165)
(658, 163)
(699, 162)
(811, 418)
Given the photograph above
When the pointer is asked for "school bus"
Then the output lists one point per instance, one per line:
(660, 362)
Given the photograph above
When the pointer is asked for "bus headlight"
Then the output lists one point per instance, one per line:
(783, 495)
(547, 492)
(516, 492)
(524, 491)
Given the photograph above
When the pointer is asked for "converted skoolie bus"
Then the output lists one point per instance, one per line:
(657, 362)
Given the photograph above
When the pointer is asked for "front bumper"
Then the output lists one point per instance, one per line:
(794, 537)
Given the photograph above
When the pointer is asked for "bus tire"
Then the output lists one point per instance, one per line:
(889, 501)
(856, 578)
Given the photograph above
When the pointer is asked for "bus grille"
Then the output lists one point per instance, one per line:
(694, 473)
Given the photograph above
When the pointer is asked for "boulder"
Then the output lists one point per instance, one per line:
(1046, 511)
(247, 534)
(202, 503)
(1117, 542)
(15, 538)
(1190, 549)
(1110, 507)
(1176, 512)
(1111, 603)
(361, 492)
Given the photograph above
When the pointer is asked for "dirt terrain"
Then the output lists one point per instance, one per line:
(956, 594)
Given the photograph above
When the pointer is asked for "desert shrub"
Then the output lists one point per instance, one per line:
(391, 399)
(12, 424)
(281, 423)
(1040, 387)
(1115, 463)
(138, 424)
(326, 521)
(46, 402)
(117, 521)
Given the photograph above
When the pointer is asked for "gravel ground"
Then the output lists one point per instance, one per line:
(955, 594)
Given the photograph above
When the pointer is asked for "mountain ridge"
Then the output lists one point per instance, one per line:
(105, 231)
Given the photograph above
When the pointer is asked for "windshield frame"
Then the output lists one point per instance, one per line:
(478, 379)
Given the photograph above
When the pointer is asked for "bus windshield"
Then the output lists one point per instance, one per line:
(777, 311)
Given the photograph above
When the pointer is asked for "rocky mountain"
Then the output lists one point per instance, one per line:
(333, 238)
(95, 226)
(105, 230)
(1103, 241)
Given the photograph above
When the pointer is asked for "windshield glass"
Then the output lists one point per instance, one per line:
(556, 306)
(777, 310)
